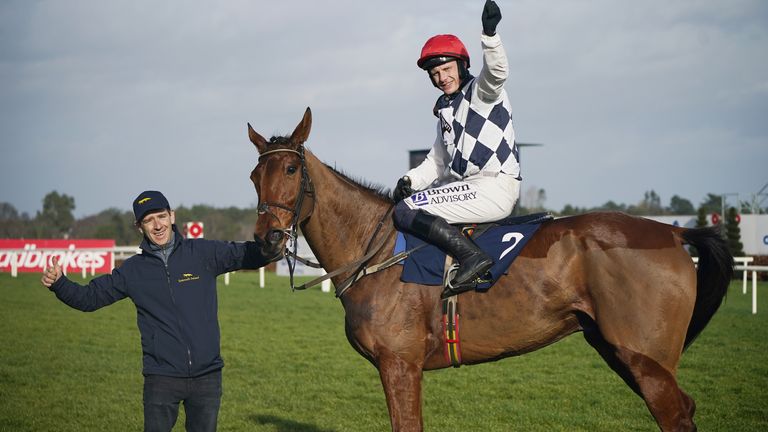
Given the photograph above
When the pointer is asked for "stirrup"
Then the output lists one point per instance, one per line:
(478, 274)
(449, 290)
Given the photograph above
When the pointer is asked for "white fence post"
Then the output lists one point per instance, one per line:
(261, 277)
(744, 285)
(325, 286)
(745, 262)
(14, 267)
(754, 291)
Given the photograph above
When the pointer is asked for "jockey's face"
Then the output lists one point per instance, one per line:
(446, 77)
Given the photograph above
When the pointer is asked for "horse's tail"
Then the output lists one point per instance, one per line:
(714, 274)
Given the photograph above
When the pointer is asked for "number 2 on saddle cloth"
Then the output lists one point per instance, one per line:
(502, 240)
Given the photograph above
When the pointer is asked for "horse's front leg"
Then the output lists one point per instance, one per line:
(402, 387)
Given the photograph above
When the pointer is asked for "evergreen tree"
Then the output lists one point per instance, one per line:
(701, 222)
(701, 218)
(733, 233)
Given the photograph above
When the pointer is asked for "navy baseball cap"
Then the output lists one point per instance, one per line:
(148, 201)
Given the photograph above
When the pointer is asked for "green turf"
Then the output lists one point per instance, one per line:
(290, 368)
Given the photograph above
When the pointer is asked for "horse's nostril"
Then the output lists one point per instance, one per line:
(274, 236)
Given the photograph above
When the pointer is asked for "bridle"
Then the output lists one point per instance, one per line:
(305, 188)
(358, 268)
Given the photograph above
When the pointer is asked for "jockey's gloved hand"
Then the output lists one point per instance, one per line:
(491, 17)
(403, 189)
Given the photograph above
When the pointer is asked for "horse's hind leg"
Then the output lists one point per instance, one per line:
(672, 408)
(689, 404)
(669, 405)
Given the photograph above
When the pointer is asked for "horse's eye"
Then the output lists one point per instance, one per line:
(291, 170)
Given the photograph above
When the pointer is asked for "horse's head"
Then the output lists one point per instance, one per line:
(283, 186)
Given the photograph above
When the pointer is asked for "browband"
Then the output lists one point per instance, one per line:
(278, 150)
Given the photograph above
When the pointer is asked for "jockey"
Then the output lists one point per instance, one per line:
(472, 172)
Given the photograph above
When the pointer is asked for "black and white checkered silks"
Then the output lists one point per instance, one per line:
(479, 142)
(479, 136)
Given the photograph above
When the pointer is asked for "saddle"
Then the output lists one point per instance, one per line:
(503, 240)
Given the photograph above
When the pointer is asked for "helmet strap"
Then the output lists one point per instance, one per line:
(463, 73)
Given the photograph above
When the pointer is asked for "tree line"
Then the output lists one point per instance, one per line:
(56, 219)
(533, 200)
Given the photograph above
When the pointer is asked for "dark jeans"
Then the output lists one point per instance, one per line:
(201, 397)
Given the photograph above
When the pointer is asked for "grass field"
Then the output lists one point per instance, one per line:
(289, 368)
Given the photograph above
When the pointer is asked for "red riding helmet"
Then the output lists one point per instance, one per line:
(442, 49)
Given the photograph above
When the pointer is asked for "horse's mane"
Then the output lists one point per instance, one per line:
(278, 141)
(380, 191)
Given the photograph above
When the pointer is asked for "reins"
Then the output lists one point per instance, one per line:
(358, 267)
(360, 264)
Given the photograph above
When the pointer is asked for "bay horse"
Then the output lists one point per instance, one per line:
(626, 282)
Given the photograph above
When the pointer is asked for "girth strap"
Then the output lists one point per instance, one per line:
(451, 328)
(451, 319)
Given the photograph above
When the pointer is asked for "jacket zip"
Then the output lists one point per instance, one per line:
(175, 309)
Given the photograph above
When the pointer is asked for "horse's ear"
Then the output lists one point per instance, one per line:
(257, 140)
(301, 133)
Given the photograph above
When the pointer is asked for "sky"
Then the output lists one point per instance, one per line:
(102, 100)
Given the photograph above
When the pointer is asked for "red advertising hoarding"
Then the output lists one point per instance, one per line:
(74, 255)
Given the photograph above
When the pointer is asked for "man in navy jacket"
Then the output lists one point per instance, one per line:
(173, 285)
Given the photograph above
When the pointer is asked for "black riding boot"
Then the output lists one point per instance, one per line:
(473, 262)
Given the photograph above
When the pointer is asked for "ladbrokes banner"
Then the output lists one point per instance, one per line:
(34, 254)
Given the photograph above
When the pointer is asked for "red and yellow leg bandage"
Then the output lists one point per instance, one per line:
(451, 327)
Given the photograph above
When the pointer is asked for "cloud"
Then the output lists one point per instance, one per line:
(104, 99)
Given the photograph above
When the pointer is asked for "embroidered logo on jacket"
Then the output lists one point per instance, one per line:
(186, 277)
(444, 125)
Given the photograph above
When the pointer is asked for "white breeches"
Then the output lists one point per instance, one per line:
(475, 199)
